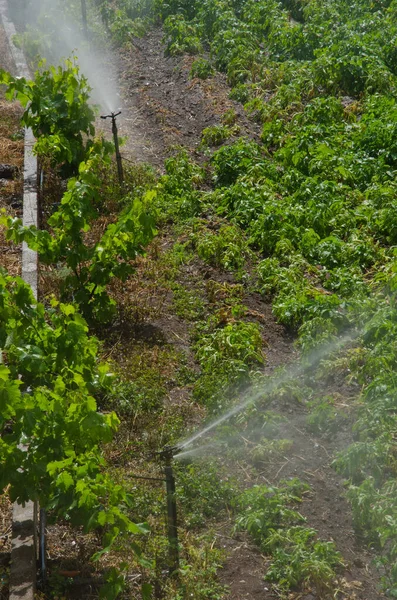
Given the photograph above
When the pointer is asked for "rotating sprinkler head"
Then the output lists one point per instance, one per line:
(168, 453)
(113, 116)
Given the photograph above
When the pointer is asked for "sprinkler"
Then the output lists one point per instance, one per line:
(116, 144)
(167, 454)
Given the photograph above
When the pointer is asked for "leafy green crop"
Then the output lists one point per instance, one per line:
(51, 430)
(298, 558)
(240, 342)
(57, 109)
(181, 36)
(226, 248)
(90, 266)
(201, 68)
(203, 492)
(316, 198)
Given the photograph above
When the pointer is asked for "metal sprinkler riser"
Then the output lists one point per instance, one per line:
(167, 454)
(113, 116)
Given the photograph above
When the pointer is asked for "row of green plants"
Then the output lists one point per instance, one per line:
(315, 198)
(298, 557)
(53, 431)
(57, 110)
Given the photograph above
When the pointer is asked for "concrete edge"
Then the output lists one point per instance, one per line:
(23, 567)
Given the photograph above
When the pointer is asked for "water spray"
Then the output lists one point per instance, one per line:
(295, 370)
(84, 17)
(116, 144)
(167, 455)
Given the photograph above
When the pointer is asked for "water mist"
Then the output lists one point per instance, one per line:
(62, 34)
(291, 373)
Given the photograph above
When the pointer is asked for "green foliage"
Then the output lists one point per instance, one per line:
(89, 266)
(227, 355)
(134, 398)
(226, 249)
(298, 558)
(324, 416)
(240, 342)
(375, 519)
(180, 36)
(229, 117)
(268, 450)
(166, 8)
(263, 509)
(232, 161)
(203, 492)
(201, 68)
(57, 109)
(50, 428)
(215, 135)
(187, 303)
(199, 572)
(177, 194)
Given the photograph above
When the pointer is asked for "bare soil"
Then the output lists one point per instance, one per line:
(163, 107)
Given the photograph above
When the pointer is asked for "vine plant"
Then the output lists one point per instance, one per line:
(89, 266)
(57, 109)
(51, 432)
(50, 429)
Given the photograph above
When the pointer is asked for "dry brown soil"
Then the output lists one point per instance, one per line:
(11, 153)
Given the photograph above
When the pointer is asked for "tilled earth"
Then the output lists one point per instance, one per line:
(163, 107)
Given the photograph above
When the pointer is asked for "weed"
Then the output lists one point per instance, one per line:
(203, 491)
(201, 68)
(229, 117)
(198, 574)
(228, 294)
(215, 135)
(324, 416)
(187, 303)
(268, 450)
